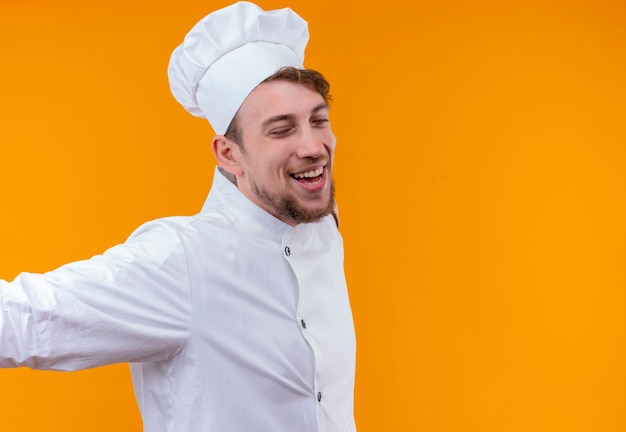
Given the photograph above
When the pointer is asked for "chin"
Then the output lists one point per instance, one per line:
(306, 214)
(290, 209)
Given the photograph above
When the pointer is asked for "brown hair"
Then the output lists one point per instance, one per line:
(308, 77)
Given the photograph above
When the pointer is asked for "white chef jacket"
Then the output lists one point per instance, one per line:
(232, 320)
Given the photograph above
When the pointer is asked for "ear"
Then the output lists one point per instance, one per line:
(228, 154)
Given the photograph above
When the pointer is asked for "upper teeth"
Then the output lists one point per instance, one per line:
(309, 174)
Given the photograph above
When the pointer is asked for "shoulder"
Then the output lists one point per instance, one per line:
(183, 234)
(156, 241)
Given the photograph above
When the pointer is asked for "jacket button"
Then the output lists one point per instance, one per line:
(303, 323)
(287, 251)
(319, 396)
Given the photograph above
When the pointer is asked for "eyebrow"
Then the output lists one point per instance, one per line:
(281, 117)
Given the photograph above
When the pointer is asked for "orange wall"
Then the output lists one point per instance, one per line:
(481, 186)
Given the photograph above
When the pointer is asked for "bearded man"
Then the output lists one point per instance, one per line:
(237, 318)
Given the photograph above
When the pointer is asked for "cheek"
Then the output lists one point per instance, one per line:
(271, 168)
(330, 145)
(330, 140)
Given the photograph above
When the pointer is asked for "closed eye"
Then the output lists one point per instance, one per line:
(321, 122)
(280, 132)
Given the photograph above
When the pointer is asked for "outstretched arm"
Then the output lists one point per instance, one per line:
(129, 304)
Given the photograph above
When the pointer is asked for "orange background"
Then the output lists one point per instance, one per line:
(481, 186)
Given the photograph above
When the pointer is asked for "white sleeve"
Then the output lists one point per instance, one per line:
(131, 304)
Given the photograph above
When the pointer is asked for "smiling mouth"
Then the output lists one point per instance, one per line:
(310, 177)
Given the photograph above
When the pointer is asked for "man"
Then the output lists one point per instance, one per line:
(235, 319)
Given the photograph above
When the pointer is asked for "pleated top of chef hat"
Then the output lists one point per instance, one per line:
(228, 53)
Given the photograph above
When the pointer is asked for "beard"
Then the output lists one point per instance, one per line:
(285, 207)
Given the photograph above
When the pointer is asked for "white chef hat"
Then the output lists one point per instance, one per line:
(228, 53)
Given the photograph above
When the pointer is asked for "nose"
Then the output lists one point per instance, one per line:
(310, 144)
